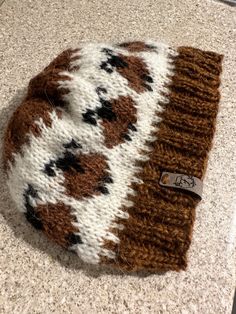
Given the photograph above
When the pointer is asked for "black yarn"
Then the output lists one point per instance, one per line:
(68, 162)
(113, 61)
(100, 90)
(105, 112)
(148, 87)
(74, 239)
(88, 117)
(105, 66)
(32, 217)
(124, 44)
(72, 144)
(127, 137)
(48, 169)
(103, 189)
(107, 179)
(118, 62)
(31, 191)
(150, 46)
(107, 51)
(147, 78)
(132, 127)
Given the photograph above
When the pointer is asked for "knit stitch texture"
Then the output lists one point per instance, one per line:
(85, 150)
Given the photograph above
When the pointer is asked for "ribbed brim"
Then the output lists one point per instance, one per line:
(158, 232)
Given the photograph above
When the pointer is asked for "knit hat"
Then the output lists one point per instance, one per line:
(107, 152)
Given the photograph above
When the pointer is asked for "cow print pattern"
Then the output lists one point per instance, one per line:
(113, 61)
(65, 163)
(120, 119)
(132, 68)
(139, 78)
(102, 112)
(39, 218)
(85, 175)
(78, 167)
(82, 179)
(117, 117)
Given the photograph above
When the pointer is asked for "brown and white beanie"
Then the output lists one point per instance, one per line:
(107, 152)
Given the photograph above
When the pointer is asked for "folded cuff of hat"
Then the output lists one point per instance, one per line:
(85, 150)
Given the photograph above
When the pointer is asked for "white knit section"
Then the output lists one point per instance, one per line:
(29, 165)
(94, 215)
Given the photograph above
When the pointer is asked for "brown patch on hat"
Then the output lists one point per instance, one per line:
(137, 46)
(88, 178)
(116, 131)
(158, 232)
(45, 84)
(42, 97)
(136, 72)
(23, 123)
(57, 223)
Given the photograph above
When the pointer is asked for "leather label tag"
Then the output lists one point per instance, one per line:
(183, 182)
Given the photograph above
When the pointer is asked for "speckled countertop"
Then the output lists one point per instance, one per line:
(36, 276)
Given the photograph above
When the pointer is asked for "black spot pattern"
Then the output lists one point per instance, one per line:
(104, 112)
(101, 90)
(148, 87)
(30, 214)
(69, 161)
(127, 137)
(72, 144)
(150, 46)
(66, 163)
(106, 67)
(103, 189)
(107, 51)
(117, 62)
(88, 117)
(132, 127)
(107, 179)
(147, 78)
(112, 62)
(48, 169)
(31, 191)
(74, 239)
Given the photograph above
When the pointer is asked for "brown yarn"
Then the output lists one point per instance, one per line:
(158, 232)
(42, 97)
(57, 222)
(86, 184)
(22, 123)
(125, 111)
(45, 84)
(136, 46)
(135, 73)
